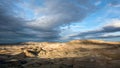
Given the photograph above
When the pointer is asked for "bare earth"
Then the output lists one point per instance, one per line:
(73, 54)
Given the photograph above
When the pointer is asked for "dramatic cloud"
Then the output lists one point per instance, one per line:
(55, 14)
(49, 18)
(112, 27)
(61, 12)
(41, 20)
(9, 22)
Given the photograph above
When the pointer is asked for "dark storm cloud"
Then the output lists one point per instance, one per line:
(9, 24)
(7, 20)
(49, 17)
(13, 28)
(46, 28)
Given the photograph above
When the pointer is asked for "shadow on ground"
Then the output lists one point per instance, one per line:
(11, 61)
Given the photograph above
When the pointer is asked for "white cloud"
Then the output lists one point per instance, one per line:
(105, 31)
(98, 2)
(114, 23)
(56, 13)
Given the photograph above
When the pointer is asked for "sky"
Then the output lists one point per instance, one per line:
(59, 20)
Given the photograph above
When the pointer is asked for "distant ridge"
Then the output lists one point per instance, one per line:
(72, 41)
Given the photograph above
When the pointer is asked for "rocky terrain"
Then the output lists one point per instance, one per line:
(73, 54)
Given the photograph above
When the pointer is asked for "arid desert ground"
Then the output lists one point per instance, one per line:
(73, 54)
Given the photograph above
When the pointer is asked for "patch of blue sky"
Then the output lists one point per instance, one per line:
(112, 39)
(27, 12)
